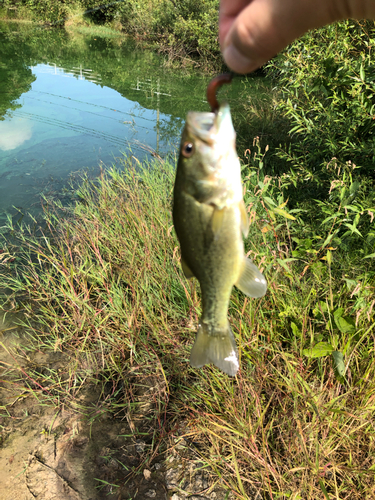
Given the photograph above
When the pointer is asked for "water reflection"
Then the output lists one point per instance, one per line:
(72, 100)
(78, 72)
(68, 120)
(67, 105)
(14, 132)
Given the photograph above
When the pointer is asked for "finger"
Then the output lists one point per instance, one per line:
(264, 27)
(229, 10)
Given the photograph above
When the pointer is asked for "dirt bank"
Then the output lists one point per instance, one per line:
(52, 452)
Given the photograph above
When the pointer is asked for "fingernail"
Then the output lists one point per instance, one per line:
(237, 61)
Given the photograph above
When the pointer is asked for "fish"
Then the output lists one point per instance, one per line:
(210, 220)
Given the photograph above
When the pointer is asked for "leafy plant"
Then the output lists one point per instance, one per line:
(327, 83)
(326, 87)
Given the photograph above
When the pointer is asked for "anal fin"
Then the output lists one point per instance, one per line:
(251, 282)
(186, 269)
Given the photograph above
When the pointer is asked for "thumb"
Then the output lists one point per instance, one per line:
(265, 27)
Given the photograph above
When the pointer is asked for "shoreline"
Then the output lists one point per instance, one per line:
(179, 54)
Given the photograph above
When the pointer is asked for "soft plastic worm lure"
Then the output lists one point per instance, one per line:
(213, 87)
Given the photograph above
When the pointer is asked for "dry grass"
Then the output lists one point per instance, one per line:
(102, 282)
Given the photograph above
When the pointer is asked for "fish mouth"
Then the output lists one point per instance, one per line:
(212, 127)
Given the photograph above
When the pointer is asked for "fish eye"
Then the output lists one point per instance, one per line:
(188, 149)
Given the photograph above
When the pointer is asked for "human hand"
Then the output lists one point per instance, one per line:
(253, 31)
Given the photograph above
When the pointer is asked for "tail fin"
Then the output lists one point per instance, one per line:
(218, 348)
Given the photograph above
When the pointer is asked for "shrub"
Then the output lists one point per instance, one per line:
(47, 10)
(327, 85)
(326, 81)
(187, 28)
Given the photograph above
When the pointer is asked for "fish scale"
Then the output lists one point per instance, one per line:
(210, 219)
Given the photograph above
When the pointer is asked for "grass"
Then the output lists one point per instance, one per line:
(101, 281)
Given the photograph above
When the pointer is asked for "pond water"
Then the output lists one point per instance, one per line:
(81, 100)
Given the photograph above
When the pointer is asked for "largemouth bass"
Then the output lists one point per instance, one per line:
(209, 218)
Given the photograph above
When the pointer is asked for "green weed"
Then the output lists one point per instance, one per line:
(101, 282)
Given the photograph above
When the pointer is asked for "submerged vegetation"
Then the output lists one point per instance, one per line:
(101, 280)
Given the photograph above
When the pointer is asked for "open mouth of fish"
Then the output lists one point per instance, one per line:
(212, 127)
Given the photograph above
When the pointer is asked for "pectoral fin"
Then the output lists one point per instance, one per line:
(186, 269)
(251, 282)
(217, 220)
(244, 221)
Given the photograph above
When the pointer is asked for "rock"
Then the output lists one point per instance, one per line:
(150, 494)
(147, 474)
(176, 497)
(172, 478)
(140, 446)
(199, 482)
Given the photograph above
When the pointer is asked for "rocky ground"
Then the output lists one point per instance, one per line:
(51, 452)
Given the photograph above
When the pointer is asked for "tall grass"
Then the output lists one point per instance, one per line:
(101, 282)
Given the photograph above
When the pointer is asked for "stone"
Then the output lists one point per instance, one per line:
(150, 494)
(147, 474)
(172, 477)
